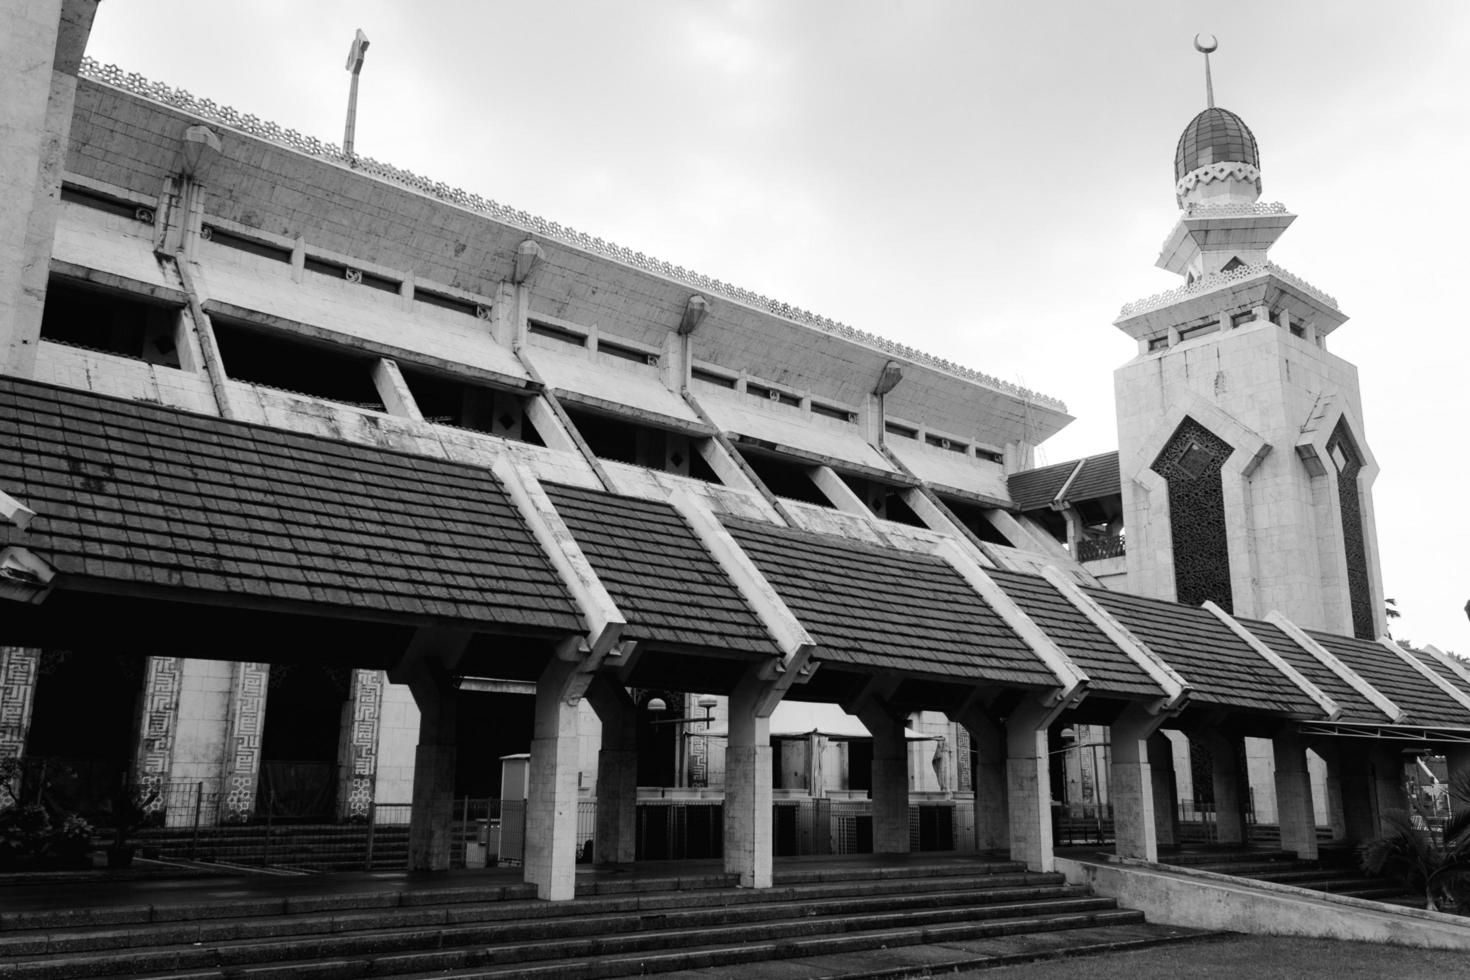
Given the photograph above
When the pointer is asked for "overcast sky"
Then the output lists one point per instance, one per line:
(986, 181)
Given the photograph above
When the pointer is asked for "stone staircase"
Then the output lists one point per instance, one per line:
(634, 923)
(1335, 872)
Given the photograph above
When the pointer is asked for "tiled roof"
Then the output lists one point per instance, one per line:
(1440, 670)
(660, 576)
(1400, 683)
(1219, 665)
(882, 609)
(137, 495)
(1036, 489)
(1099, 478)
(1108, 668)
(1355, 707)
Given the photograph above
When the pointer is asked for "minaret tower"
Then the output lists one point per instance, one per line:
(1246, 471)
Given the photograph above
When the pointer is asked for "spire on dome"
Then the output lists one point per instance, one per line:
(1209, 84)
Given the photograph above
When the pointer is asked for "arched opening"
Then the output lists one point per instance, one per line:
(300, 741)
(84, 727)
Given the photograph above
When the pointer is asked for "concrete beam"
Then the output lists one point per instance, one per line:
(795, 643)
(1349, 676)
(605, 623)
(1329, 707)
(1071, 680)
(1433, 676)
(1176, 689)
(397, 398)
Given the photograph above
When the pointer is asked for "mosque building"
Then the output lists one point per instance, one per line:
(325, 486)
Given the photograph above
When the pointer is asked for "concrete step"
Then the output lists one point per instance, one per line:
(503, 943)
(669, 922)
(986, 952)
(732, 956)
(366, 914)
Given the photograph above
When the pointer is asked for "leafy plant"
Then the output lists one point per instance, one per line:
(1436, 864)
(128, 810)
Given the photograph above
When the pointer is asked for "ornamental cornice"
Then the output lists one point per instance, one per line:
(1252, 209)
(1219, 280)
(1212, 172)
(251, 125)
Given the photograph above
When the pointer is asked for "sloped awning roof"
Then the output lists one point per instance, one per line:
(881, 609)
(661, 577)
(1107, 667)
(1095, 476)
(146, 500)
(1221, 668)
(1426, 703)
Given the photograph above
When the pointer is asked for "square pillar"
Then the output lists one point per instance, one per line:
(551, 807)
(433, 771)
(748, 791)
(617, 773)
(992, 819)
(1135, 824)
(1386, 778)
(1332, 760)
(1457, 761)
(890, 779)
(1228, 780)
(1294, 809)
(1165, 793)
(1028, 783)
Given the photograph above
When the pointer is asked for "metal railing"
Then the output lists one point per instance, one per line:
(1097, 549)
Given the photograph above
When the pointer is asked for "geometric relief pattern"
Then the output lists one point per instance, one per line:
(19, 668)
(360, 768)
(1191, 464)
(159, 723)
(242, 746)
(964, 776)
(1345, 456)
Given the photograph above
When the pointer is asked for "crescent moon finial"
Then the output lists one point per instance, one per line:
(1205, 50)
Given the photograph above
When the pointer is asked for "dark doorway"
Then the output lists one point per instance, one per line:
(84, 727)
(657, 742)
(489, 724)
(300, 742)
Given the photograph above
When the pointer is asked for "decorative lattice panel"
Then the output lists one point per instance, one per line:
(1191, 464)
(1349, 462)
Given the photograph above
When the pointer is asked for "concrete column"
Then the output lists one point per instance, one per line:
(890, 779)
(433, 769)
(1457, 759)
(748, 795)
(1229, 785)
(1028, 784)
(992, 820)
(1355, 783)
(357, 753)
(1131, 784)
(1386, 778)
(1294, 809)
(617, 773)
(1331, 755)
(1165, 793)
(551, 808)
(41, 47)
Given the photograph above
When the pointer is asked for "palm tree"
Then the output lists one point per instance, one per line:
(1438, 864)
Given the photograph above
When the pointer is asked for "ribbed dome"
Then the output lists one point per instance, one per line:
(1215, 136)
